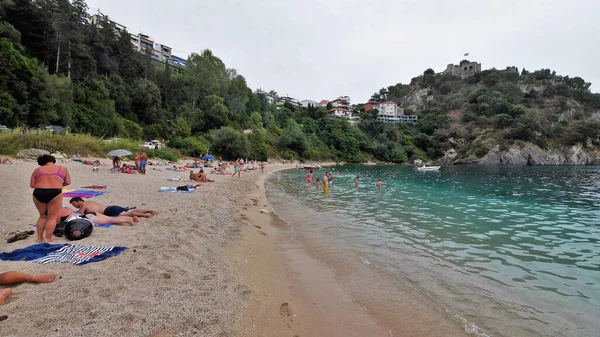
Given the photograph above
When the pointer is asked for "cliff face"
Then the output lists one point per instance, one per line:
(534, 156)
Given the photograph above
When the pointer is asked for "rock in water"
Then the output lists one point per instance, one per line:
(31, 153)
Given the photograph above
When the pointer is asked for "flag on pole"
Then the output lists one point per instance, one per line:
(466, 54)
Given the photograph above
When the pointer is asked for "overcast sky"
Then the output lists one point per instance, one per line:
(321, 49)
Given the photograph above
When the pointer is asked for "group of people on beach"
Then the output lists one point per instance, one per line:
(327, 181)
(48, 181)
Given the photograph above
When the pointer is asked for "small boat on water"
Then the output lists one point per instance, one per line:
(428, 168)
(312, 168)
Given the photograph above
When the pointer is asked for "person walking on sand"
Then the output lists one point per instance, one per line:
(14, 277)
(143, 162)
(47, 182)
(136, 160)
(237, 169)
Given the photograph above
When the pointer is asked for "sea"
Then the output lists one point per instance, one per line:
(505, 251)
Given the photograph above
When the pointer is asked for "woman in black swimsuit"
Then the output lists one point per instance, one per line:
(48, 181)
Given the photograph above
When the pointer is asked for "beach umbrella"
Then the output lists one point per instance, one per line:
(119, 153)
(208, 156)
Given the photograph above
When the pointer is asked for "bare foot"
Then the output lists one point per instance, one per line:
(147, 215)
(39, 240)
(49, 240)
(136, 219)
(4, 293)
(43, 278)
(154, 212)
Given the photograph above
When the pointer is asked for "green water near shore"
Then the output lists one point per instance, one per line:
(510, 251)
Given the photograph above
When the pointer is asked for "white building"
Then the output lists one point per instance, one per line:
(390, 112)
(305, 103)
(340, 112)
(341, 102)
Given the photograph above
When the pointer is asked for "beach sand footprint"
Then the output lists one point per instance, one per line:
(285, 309)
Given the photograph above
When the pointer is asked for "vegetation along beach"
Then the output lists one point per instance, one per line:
(150, 189)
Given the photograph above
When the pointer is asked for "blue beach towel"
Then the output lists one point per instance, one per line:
(47, 253)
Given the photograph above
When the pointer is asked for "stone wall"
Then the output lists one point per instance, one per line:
(464, 69)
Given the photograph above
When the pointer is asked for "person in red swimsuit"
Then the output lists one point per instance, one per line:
(47, 182)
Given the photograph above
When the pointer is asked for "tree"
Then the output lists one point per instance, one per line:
(229, 143)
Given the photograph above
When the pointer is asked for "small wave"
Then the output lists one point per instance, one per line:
(364, 260)
(471, 328)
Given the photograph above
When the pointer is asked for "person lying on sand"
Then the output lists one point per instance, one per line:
(14, 277)
(100, 219)
(5, 160)
(111, 211)
(200, 176)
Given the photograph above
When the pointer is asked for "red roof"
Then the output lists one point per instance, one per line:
(324, 102)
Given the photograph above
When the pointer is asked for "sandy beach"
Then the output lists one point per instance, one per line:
(173, 280)
(210, 264)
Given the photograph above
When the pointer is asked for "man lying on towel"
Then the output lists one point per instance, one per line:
(112, 211)
(100, 219)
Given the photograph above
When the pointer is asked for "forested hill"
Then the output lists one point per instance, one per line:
(499, 111)
(57, 68)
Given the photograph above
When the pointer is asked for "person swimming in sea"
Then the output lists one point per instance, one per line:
(317, 183)
(379, 183)
(357, 183)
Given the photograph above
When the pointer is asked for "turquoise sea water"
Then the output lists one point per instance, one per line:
(507, 251)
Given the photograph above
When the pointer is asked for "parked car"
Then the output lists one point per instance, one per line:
(154, 145)
(3, 128)
(56, 129)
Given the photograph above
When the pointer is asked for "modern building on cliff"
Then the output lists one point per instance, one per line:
(143, 43)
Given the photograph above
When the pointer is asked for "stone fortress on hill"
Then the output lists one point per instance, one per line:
(467, 69)
(464, 69)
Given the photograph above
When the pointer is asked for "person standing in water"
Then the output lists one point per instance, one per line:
(379, 183)
(356, 182)
(309, 177)
(326, 182)
(318, 183)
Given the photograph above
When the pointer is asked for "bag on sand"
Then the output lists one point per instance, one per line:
(78, 229)
(59, 230)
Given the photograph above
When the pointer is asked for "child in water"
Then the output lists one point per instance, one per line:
(317, 183)
(309, 177)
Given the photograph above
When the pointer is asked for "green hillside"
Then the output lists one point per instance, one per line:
(499, 109)
(58, 68)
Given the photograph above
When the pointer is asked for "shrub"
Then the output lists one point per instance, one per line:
(230, 143)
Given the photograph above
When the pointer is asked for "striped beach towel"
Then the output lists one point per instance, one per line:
(64, 253)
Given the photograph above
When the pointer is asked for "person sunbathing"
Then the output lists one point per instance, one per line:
(14, 277)
(5, 160)
(200, 176)
(111, 211)
(101, 219)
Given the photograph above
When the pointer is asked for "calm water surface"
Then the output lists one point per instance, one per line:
(508, 251)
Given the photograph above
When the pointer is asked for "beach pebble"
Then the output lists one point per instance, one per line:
(264, 211)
